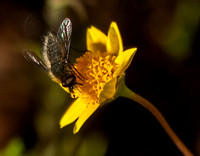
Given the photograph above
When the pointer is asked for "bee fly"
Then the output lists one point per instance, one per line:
(56, 56)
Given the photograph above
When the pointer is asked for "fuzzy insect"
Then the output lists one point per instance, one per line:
(55, 54)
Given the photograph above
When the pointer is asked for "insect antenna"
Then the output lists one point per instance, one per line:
(81, 51)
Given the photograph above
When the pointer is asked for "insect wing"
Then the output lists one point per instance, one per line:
(33, 58)
(64, 36)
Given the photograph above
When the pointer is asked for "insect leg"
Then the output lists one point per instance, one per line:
(79, 75)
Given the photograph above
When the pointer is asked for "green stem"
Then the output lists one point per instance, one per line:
(126, 92)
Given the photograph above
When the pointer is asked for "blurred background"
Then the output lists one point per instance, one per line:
(165, 70)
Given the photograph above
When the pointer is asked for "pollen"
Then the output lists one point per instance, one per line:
(96, 69)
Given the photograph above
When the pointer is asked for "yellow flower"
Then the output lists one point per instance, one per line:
(103, 68)
(100, 66)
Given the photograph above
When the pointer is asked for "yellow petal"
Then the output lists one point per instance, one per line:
(114, 42)
(123, 60)
(109, 90)
(84, 116)
(65, 88)
(73, 112)
(96, 40)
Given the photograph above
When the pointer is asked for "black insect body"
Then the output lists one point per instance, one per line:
(56, 56)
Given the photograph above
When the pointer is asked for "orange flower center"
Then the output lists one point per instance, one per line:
(97, 69)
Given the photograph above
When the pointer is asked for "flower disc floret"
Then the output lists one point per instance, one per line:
(97, 68)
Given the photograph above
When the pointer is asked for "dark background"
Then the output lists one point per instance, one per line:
(165, 70)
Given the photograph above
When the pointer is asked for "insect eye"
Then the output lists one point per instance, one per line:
(69, 81)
